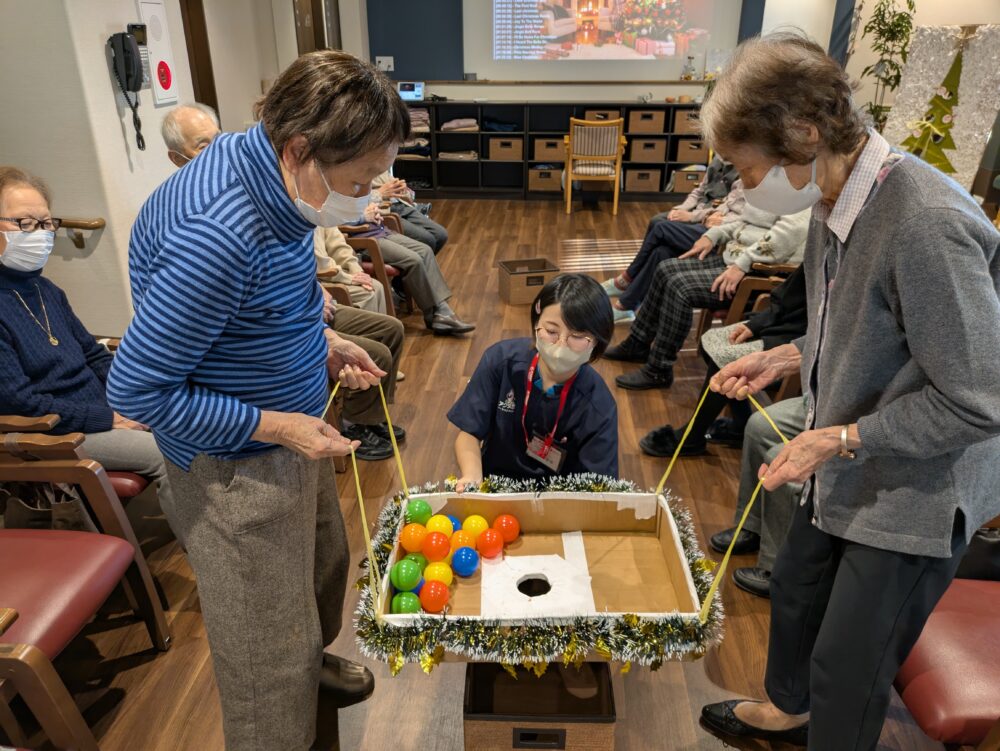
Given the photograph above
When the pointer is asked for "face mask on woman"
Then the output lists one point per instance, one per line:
(776, 195)
(336, 209)
(27, 251)
(561, 360)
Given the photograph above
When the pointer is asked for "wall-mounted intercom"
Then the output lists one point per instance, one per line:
(126, 68)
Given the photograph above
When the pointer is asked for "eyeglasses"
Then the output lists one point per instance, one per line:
(576, 342)
(30, 224)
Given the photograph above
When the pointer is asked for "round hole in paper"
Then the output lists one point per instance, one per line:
(534, 585)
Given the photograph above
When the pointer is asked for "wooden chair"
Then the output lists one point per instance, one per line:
(594, 151)
(764, 278)
(375, 266)
(334, 416)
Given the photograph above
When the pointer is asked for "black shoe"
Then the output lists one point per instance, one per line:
(628, 351)
(382, 431)
(720, 718)
(747, 542)
(663, 442)
(722, 432)
(442, 325)
(754, 580)
(373, 447)
(646, 378)
(345, 682)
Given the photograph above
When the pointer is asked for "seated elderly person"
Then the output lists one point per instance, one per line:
(706, 281)
(48, 361)
(187, 130)
(416, 225)
(337, 263)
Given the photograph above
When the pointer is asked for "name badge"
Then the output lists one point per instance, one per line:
(553, 458)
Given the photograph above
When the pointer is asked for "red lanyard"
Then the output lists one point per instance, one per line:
(563, 396)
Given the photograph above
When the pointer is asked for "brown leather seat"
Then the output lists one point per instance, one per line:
(56, 581)
(951, 680)
(127, 484)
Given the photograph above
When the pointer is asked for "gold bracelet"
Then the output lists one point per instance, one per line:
(845, 453)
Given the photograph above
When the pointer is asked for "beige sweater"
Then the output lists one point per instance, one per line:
(335, 259)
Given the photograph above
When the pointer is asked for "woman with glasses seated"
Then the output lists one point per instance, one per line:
(49, 363)
(536, 408)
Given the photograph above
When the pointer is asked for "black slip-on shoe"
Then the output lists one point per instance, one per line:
(663, 442)
(442, 325)
(382, 431)
(646, 378)
(373, 447)
(747, 542)
(720, 718)
(627, 351)
(756, 581)
(345, 682)
(722, 432)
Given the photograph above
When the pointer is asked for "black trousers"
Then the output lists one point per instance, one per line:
(844, 616)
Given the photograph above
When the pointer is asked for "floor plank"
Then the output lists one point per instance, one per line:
(137, 699)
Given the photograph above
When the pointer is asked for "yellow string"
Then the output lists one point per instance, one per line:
(680, 444)
(374, 577)
(767, 417)
(329, 402)
(395, 446)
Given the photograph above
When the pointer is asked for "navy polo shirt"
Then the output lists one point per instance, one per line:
(493, 402)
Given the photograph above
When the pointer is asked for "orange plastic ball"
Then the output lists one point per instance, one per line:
(435, 547)
(490, 543)
(462, 539)
(412, 537)
(475, 524)
(434, 596)
(508, 526)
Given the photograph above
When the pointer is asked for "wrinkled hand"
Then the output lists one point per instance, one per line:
(800, 458)
(120, 422)
(468, 483)
(727, 282)
(351, 365)
(373, 215)
(740, 333)
(395, 189)
(680, 215)
(713, 220)
(701, 248)
(310, 436)
(362, 280)
(756, 371)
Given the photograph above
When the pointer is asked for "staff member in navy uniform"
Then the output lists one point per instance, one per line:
(542, 410)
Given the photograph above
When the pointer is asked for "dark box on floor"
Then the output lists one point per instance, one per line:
(521, 281)
(501, 713)
(642, 180)
(545, 179)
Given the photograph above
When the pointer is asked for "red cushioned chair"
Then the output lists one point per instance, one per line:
(52, 585)
(951, 680)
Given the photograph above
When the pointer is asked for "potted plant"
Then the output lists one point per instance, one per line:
(890, 27)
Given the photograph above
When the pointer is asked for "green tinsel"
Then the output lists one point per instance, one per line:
(627, 638)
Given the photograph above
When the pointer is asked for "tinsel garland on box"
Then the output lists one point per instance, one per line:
(627, 638)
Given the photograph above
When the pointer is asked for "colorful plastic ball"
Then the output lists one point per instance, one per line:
(475, 525)
(440, 523)
(416, 589)
(418, 511)
(439, 572)
(405, 575)
(419, 558)
(405, 602)
(465, 561)
(508, 526)
(436, 547)
(462, 539)
(434, 596)
(456, 523)
(490, 543)
(412, 537)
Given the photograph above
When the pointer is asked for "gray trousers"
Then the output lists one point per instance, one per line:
(422, 276)
(381, 337)
(266, 540)
(772, 512)
(132, 451)
(420, 227)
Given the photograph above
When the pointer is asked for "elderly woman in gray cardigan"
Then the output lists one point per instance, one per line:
(900, 455)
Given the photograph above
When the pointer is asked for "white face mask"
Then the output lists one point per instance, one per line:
(561, 360)
(776, 195)
(336, 209)
(27, 251)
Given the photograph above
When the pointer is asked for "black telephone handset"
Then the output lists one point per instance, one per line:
(127, 70)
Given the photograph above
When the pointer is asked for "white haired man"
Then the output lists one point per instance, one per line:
(187, 130)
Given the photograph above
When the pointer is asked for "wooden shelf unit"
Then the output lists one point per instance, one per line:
(484, 177)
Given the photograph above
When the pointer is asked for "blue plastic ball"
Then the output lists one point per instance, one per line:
(465, 561)
(416, 589)
(456, 523)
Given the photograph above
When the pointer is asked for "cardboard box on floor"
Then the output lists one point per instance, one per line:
(521, 281)
(634, 556)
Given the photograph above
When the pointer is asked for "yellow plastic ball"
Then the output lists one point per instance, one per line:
(440, 523)
(475, 525)
(439, 572)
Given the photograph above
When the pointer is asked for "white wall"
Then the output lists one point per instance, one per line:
(283, 19)
(70, 127)
(929, 13)
(814, 17)
(241, 40)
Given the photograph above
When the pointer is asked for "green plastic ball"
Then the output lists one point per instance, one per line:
(405, 575)
(419, 558)
(418, 512)
(405, 602)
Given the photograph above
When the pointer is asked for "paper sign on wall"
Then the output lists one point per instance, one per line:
(161, 56)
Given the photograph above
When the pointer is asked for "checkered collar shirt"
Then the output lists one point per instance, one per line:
(840, 219)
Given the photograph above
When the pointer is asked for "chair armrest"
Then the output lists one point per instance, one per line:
(774, 268)
(761, 303)
(747, 287)
(354, 229)
(111, 342)
(392, 222)
(7, 618)
(369, 245)
(339, 293)
(19, 424)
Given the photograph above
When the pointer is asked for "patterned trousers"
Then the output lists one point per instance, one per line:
(664, 320)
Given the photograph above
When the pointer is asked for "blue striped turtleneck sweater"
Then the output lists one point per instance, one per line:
(228, 313)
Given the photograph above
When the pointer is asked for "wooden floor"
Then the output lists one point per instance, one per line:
(138, 700)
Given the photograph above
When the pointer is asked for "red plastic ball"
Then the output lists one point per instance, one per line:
(434, 596)
(436, 547)
(508, 526)
(490, 543)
